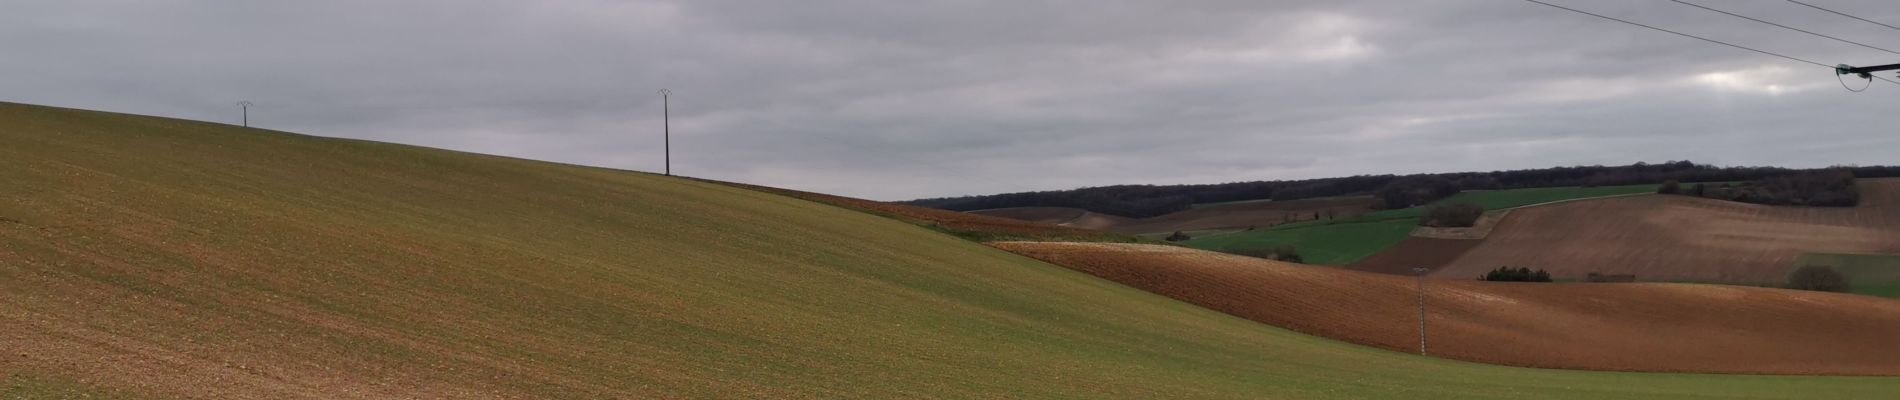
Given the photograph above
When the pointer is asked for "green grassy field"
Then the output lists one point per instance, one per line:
(1335, 244)
(1869, 274)
(1346, 240)
(147, 257)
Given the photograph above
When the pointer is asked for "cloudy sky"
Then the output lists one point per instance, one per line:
(898, 99)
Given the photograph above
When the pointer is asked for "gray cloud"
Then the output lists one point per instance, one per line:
(894, 100)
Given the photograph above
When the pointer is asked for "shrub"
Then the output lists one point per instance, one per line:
(1456, 215)
(1519, 274)
(1276, 253)
(1177, 236)
(1818, 278)
(1669, 187)
(1602, 277)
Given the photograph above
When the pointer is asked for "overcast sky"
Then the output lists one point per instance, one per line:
(895, 100)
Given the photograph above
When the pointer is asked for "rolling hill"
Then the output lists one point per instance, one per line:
(1602, 326)
(1681, 238)
(146, 257)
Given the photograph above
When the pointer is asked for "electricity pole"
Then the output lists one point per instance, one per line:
(1421, 308)
(245, 107)
(666, 126)
(1845, 69)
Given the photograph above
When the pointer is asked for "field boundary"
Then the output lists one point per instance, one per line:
(1492, 218)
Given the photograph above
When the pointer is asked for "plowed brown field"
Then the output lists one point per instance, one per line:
(1415, 252)
(1623, 327)
(1047, 215)
(1679, 238)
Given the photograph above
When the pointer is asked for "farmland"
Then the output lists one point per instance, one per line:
(1680, 238)
(1871, 274)
(1639, 327)
(162, 258)
(1348, 239)
(1212, 217)
(1336, 244)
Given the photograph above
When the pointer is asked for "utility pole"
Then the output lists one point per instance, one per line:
(1864, 72)
(245, 107)
(1422, 306)
(666, 126)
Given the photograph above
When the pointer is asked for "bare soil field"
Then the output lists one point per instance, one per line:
(1063, 216)
(1047, 215)
(1680, 238)
(1415, 252)
(1619, 327)
(1241, 215)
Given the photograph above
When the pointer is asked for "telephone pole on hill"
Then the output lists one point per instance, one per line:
(666, 126)
(245, 108)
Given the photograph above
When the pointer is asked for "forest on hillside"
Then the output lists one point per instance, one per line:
(1395, 191)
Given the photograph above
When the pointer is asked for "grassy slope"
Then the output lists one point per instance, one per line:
(1869, 274)
(180, 258)
(1347, 240)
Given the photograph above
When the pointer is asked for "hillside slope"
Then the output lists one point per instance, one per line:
(1636, 327)
(150, 257)
(1666, 238)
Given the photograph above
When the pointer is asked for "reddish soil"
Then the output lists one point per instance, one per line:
(1415, 252)
(1047, 215)
(1680, 238)
(1600, 326)
(1064, 216)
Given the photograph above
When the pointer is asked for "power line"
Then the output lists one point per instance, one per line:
(1790, 58)
(1845, 14)
(1784, 26)
(1678, 33)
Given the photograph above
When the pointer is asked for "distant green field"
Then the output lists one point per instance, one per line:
(1346, 240)
(197, 260)
(1335, 244)
(1222, 203)
(1869, 274)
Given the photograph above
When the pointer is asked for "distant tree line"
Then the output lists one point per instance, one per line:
(1153, 200)
(1831, 188)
